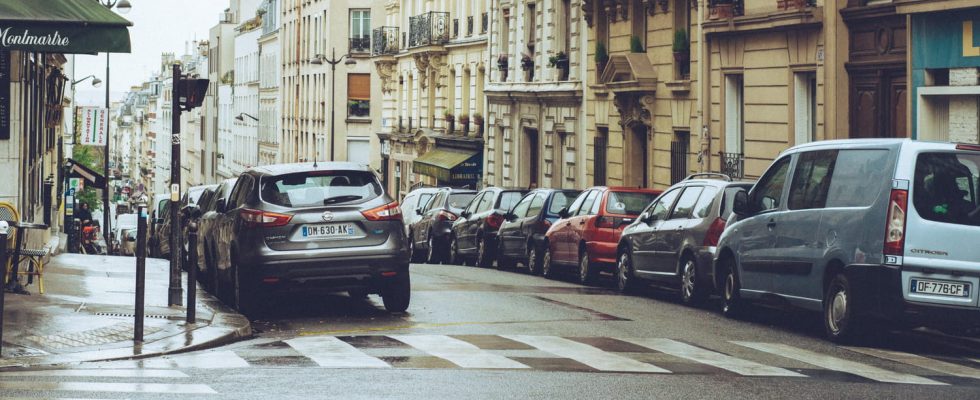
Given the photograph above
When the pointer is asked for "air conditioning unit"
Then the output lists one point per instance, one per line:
(227, 17)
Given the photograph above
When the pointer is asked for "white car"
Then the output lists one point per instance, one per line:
(415, 200)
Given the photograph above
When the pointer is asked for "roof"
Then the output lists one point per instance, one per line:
(292, 168)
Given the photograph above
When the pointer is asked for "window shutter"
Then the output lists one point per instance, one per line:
(359, 87)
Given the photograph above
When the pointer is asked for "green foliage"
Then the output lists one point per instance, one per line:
(559, 58)
(601, 55)
(636, 46)
(680, 41)
(92, 158)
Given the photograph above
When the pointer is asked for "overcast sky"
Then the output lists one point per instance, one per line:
(158, 26)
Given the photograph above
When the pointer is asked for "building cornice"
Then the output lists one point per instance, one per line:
(779, 20)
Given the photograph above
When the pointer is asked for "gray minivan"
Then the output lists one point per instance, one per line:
(866, 231)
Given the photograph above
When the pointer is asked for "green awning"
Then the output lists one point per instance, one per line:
(62, 26)
(449, 165)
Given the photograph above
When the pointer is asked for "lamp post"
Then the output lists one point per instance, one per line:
(123, 6)
(333, 61)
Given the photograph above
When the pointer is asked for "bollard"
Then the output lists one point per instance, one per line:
(140, 273)
(4, 229)
(76, 231)
(192, 272)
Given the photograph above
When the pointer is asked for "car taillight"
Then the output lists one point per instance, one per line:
(446, 216)
(495, 220)
(387, 212)
(264, 219)
(895, 224)
(714, 232)
(970, 147)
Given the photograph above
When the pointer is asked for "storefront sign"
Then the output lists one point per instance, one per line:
(946, 40)
(64, 38)
(4, 95)
(94, 122)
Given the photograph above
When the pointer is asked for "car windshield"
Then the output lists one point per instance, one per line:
(561, 200)
(628, 203)
(194, 195)
(460, 200)
(320, 188)
(508, 199)
(946, 186)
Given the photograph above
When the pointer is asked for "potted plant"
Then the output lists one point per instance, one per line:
(464, 120)
(478, 121)
(682, 51)
(721, 9)
(503, 62)
(786, 5)
(450, 122)
(527, 62)
(560, 61)
(601, 58)
(636, 46)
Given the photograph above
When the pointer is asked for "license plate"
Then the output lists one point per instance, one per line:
(328, 231)
(951, 289)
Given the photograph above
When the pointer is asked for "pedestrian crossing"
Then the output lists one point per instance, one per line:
(51, 382)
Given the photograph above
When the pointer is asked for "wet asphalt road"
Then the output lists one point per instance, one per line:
(481, 333)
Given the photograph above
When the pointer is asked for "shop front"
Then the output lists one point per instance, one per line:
(455, 167)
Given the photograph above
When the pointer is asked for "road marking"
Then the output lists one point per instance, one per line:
(837, 364)
(708, 357)
(102, 373)
(330, 352)
(168, 388)
(458, 352)
(920, 361)
(586, 354)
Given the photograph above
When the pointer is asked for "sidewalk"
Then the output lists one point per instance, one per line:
(86, 314)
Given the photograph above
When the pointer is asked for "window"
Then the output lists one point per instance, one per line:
(734, 114)
(853, 172)
(587, 204)
(360, 31)
(628, 203)
(559, 201)
(537, 203)
(685, 205)
(811, 180)
(320, 188)
(459, 200)
(599, 156)
(520, 211)
(663, 205)
(437, 202)
(486, 202)
(572, 209)
(703, 208)
(472, 207)
(359, 95)
(769, 190)
(805, 106)
(946, 186)
(639, 23)
(506, 200)
(532, 28)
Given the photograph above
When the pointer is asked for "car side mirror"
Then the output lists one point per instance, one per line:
(192, 211)
(563, 213)
(510, 216)
(220, 205)
(740, 205)
(418, 211)
(465, 214)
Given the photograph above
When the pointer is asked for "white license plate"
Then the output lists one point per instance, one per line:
(939, 288)
(328, 230)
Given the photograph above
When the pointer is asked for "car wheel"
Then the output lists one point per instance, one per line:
(547, 268)
(454, 257)
(533, 261)
(842, 322)
(625, 280)
(397, 293)
(731, 300)
(586, 270)
(692, 289)
(244, 296)
(434, 256)
(483, 258)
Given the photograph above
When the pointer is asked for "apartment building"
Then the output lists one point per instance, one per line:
(270, 74)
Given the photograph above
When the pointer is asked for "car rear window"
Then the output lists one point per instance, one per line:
(729, 200)
(320, 188)
(460, 200)
(628, 203)
(561, 200)
(946, 187)
(507, 200)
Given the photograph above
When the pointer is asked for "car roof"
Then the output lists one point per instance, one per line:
(291, 168)
(851, 143)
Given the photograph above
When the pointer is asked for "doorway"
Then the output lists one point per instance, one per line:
(638, 158)
(533, 156)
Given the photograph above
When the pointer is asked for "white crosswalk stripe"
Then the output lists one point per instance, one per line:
(708, 357)
(67, 382)
(101, 373)
(331, 352)
(458, 352)
(920, 361)
(837, 364)
(586, 354)
(123, 387)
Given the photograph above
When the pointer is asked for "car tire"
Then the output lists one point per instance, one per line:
(692, 288)
(625, 278)
(533, 260)
(245, 295)
(731, 300)
(454, 257)
(434, 256)
(397, 292)
(547, 266)
(483, 257)
(587, 270)
(842, 321)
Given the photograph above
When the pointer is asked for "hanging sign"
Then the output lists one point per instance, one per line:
(93, 125)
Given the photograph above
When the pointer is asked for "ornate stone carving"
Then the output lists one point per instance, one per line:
(610, 6)
(422, 65)
(588, 10)
(386, 70)
(634, 108)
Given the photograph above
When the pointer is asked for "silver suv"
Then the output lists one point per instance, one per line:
(323, 227)
(865, 231)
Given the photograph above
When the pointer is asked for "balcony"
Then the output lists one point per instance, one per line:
(484, 23)
(385, 41)
(469, 26)
(360, 45)
(733, 164)
(431, 28)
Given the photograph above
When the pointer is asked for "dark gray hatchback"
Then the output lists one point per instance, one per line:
(324, 227)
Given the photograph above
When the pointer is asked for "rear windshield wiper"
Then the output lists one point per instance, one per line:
(341, 199)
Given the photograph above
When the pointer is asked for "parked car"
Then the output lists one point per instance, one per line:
(674, 239)
(429, 238)
(159, 207)
(194, 213)
(125, 223)
(474, 234)
(521, 234)
(211, 211)
(323, 227)
(862, 230)
(589, 230)
(162, 234)
(411, 204)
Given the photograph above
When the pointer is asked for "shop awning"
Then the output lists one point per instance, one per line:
(450, 165)
(62, 26)
(77, 170)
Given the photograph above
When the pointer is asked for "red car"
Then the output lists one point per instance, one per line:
(589, 229)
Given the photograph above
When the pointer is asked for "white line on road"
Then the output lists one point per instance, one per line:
(585, 354)
(920, 361)
(837, 364)
(169, 388)
(104, 373)
(330, 352)
(458, 352)
(708, 357)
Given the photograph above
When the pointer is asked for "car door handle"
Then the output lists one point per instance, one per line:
(772, 224)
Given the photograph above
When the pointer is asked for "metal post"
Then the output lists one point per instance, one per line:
(333, 96)
(77, 229)
(4, 229)
(140, 273)
(192, 272)
(105, 193)
(175, 243)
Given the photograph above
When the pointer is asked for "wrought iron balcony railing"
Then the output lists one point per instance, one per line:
(469, 26)
(360, 45)
(733, 164)
(431, 28)
(385, 40)
(484, 23)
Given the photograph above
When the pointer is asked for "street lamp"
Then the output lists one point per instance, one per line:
(240, 115)
(96, 82)
(320, 59)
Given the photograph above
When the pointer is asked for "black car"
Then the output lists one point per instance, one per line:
(314, 228)
(521, 234)
(161, 235)
(474, 234)
(207, 237)
(430, 234)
